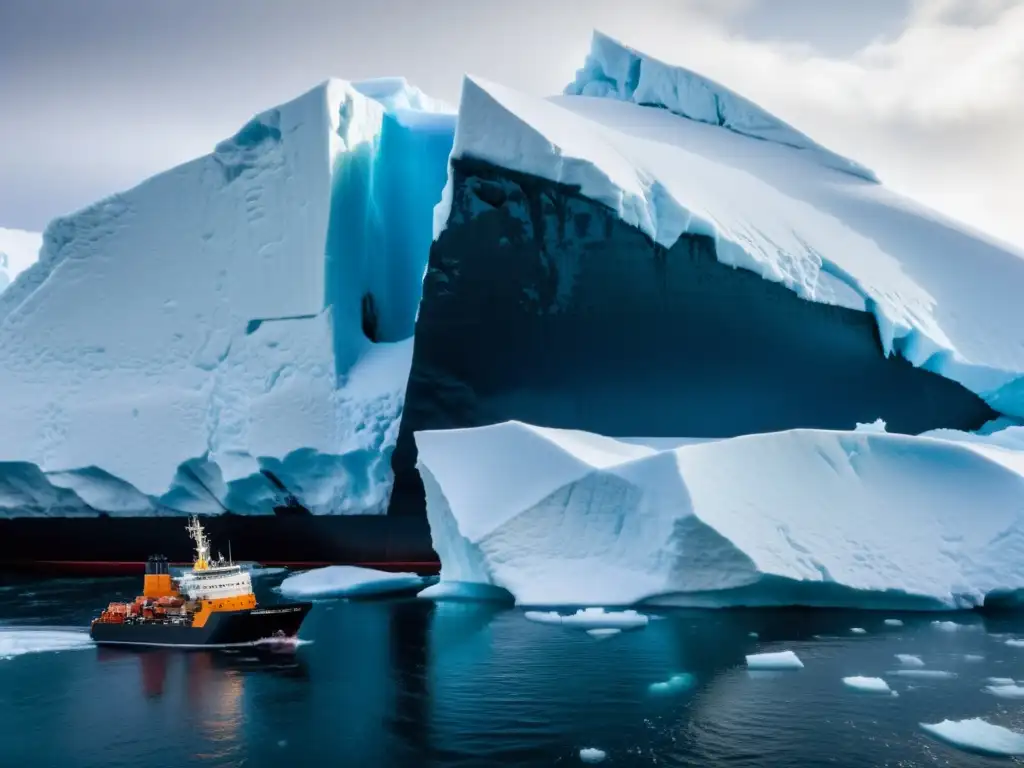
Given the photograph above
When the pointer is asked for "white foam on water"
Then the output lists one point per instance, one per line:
(17, 641)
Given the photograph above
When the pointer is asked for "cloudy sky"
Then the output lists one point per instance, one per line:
(96, 95)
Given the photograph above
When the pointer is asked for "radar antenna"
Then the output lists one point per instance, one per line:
(195, 530)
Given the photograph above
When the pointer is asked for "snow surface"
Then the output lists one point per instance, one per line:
(348, 581)
(230, 339)
(868, 684)
(862, 519)
(779, 660)
(17, 641)
(977, 735)
(18, 251)
(703, 160)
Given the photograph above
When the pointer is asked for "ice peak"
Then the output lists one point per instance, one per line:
(616, 71)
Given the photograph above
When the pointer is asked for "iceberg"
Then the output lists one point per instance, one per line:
(254, 341)
(652, 243)
(977, 735)
(348, 581)
(803, 517)
(18, 251)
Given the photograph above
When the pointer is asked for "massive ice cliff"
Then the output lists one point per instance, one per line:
(233, 333)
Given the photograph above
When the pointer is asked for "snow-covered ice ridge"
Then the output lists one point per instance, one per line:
(705, 161)
(806, 517)
(18, 251)
(175, 343)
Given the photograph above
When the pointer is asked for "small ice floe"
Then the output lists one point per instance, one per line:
(348, 581)
(977, 735)
(1015, 643)
(19, 641)
(949, 626)
(909, 660)
(753, 635)
(869, 685)
(674, 684)
(600, 632)
(999, 680)
(464, 590)
(858, 631)
(1006, 690)
(774, 661)
(259, 572)
(893, 623)
(282, 743)
(973, 657)
(924, 674)
(592, 755)
(598, 618)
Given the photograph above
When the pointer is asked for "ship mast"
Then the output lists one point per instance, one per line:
(195, 530)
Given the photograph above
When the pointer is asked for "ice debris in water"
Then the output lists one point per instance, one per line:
(858, 631)
(909, 660)
(977, 735)
(868, 684)
(592, 755)
(603, 631)
(753, 634)
(924, 674)
(1000, 680)
(948, 626)
(16, 642)
(674, 684)
(973, 657)
(779, 660)
(591, 617)
(1006, 691)
(348, 581)
(1015, 643)
(893, 623)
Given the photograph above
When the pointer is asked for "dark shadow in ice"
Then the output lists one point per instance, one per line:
(541, 305)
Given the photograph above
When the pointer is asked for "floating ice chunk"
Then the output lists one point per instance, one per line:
(868, 684)
(753, 634)
(977, 735)
(674, 684)
(778, 660)
(949, 626)
(16, 642)
(463, 590)
(858, 631)
(893, 623)
(878, 425)
(909, 660)
(603, 631)
(973, 657)
(348, 581)
(924, 674)
(592, 755)
(591, 617)
(1015, 643)
(1006, 690)
(1000, 680)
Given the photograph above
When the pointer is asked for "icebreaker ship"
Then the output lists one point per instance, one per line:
(258, 335)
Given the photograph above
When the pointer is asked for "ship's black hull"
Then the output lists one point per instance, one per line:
(226, 628)
(107, 545)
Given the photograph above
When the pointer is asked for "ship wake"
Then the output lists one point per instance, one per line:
(17, 641)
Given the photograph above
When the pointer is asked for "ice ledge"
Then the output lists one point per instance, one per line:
(613, 70)
(805, 517)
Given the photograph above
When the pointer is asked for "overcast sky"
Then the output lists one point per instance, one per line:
(96, 95)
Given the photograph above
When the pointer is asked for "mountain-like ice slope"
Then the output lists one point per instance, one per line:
(176, 342)
(705, 161)
(18, 251)
(862, 518)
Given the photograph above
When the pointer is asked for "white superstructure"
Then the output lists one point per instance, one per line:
(212, 581)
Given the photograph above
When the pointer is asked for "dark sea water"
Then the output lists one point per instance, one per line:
(411, 683)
